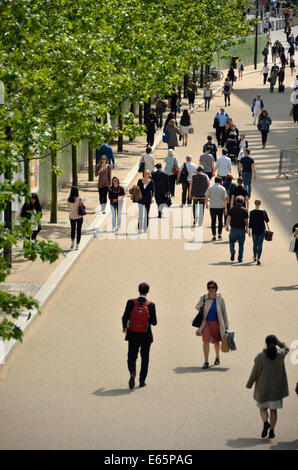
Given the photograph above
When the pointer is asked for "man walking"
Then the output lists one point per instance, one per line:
(220, 120)
(212, 147)
(197, 189)
(223, 165)
(106, 150)
(137, 319)
(294, 101)
(257, 107)
(187, 170)
(191, 93)
(240, 191)
(161, 185)
(218, 206)
(238, 220)
(207, 162)
(246, 169)
(160, 107)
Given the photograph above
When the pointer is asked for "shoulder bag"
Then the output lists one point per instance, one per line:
(197, 321)
(82, 209)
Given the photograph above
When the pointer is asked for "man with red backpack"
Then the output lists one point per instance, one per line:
(137, 319)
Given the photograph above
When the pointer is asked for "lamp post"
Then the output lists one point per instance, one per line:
(256, 36)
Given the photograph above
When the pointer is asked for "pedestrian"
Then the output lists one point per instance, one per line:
(223, 165)
(227, 90)
(184, 126)
(240, 191)
(257, 107)
(148, 160)
(232, 138)
(207, 162)
(272, 79)
(146, 186)
(243, 144)
(238, 220)
(264, 124)
(212, 147)
(283, 59)
(229, 187)
(116, 196)
(161, 187)
(274, 52)
(172, 131)
(32, 211)
(197, 189)
(218, 206)
(271, 383)
(265, 53)
(172, 170)
(170, 116)
(294, 101)
(150, 123)
(240, 68)
(137, 319)
(208, 96)
(191, 93)
(295, 231)
(215, 322)
(257, 220)
(76, 220)
(294, 84)
(220, 120)
(231, 75)
(265, 72)
(187, 170)
(246, 169)
(296, 42)
(107, 151)
(174, 100)
(281, 78)
(226, 131)
(160, 107)
(104, 173)
(291, 51)
(292, 65)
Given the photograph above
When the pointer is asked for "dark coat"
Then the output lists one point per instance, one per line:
(139, 337)
(161, 183)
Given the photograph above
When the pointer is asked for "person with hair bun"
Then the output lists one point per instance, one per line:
(271, 383)
(215, 321)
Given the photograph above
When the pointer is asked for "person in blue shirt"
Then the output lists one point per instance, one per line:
(106, 150)
(220, 120)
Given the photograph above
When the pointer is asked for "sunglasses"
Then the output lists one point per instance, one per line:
(211, 287)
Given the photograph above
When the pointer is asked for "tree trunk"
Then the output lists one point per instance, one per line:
(90, 163)
(185, 84)
(27, 171)
(202, 77)
(140, 114)
(54, 178)
(120, 135)
(74, 160)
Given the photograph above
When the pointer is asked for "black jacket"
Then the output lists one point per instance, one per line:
(147, 193)
(146, 337)
(161, 183)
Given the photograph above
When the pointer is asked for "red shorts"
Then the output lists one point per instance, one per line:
(211, 332)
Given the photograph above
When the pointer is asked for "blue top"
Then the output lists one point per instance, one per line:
(107, 151)
(212, 314)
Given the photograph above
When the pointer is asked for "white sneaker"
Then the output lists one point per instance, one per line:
(72, 245)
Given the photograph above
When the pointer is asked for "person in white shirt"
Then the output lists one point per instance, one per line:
(294, 101)
(223, 165)
(191, 168)
(295, 83)
(148, 159)
(257, 107)
(265, 71)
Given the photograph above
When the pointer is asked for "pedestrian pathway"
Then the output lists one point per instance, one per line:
(77, 354)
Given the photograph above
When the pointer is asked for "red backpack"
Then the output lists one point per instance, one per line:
(138, 322)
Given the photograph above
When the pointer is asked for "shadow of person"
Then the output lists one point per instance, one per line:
(244, 442)
(101, 392)
(285, 445)
(195, 370)
(281, 288)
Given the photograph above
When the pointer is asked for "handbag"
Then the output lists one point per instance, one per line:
(165, 138)
(197, 321)
(191, 130)
(292, 243)
(268, 235)
(175, 169)
(141, 167)
(215, 123)
(82, 210)
(225, 344)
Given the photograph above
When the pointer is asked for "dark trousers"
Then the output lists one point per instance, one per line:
(220, 135)
(191, 98)
(207, 102)
(172, 181)
(103, 194)
(216, 214)
(159, 119)
(227, 99)
(76, 226)
(295, 112)
(133, 350)
(265, 75)
(185, 192)
(264, 136)
(35, 233)
(150, 138)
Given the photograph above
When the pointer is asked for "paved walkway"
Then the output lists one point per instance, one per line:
(68, 380)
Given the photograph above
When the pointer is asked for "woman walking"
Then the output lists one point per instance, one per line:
(172, 170)
(265, 71)
(116, 196)
(146, 186)
(227, 90)
(271, 384)
(208, 96)
(257, 220)
(240, 68)
(32, 210)
(104, 173)
(184, 126)
(76, 220)
(172, 131)
(215, 321)
(264, 124)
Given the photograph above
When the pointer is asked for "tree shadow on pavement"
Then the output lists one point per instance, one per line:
(101, 392)
(194, 370)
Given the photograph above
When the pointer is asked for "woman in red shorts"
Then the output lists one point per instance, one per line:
(215, 321)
